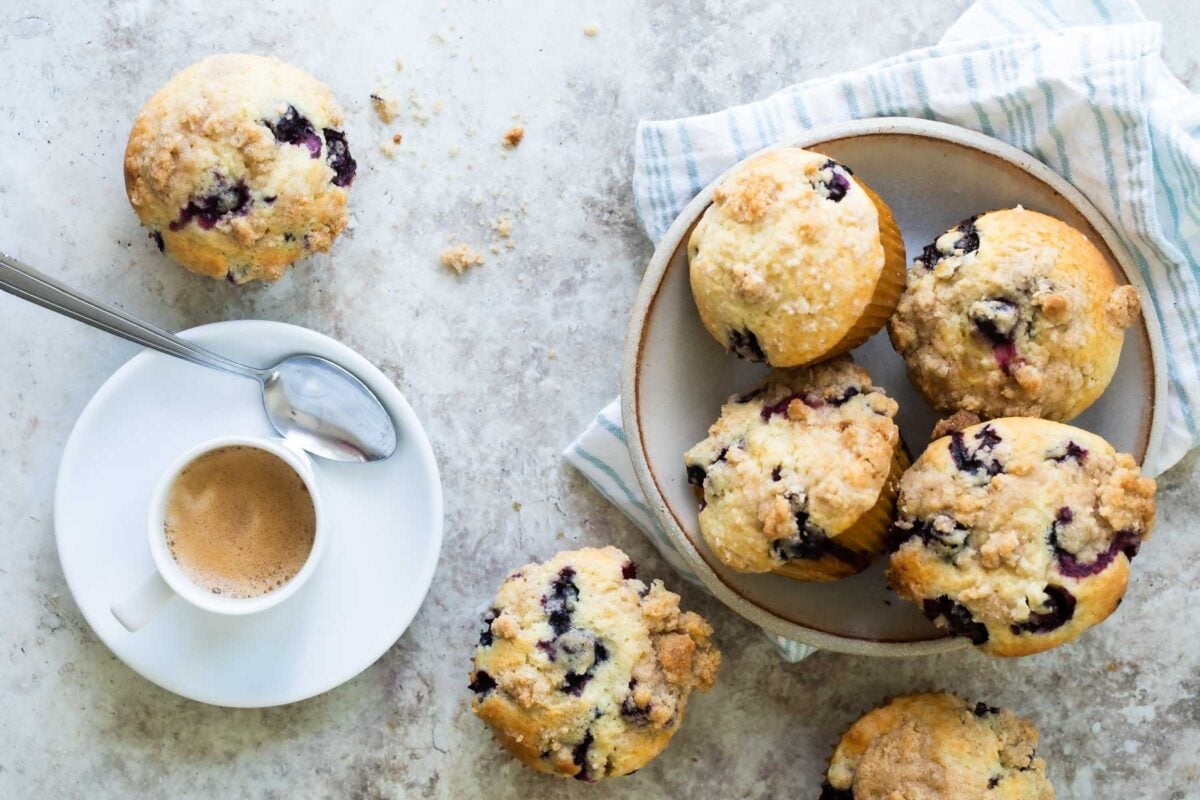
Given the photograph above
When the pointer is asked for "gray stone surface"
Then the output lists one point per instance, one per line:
(504, 364)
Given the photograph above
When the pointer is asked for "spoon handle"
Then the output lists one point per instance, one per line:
(22, 280)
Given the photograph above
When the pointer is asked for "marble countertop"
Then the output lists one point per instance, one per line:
(505, 364)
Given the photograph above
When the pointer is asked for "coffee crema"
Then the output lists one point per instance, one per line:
(239, 521)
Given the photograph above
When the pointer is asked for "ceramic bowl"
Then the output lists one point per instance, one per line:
(675, 376)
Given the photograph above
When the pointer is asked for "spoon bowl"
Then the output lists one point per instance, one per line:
(310, 401)
(322, 408)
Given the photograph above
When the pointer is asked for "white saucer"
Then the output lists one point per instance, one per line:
(385, 527)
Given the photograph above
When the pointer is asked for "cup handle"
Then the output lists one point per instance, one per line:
(143, 603)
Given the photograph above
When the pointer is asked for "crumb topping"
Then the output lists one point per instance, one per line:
(513, 136)
(461, 256)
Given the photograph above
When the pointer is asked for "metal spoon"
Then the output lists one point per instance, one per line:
(310, 400)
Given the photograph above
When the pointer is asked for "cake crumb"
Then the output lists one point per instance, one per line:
(417, 107)
(513, 136)
(516, 506)
(955, 422)
(388, 149)
(397, 138)
(559, 535)
(453, 151)
(502, 227)
(495, 249)
(461, 256)
(399, 65)
(386, 108)
(551, 354)
(591, 29)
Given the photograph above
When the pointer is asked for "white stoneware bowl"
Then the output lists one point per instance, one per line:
(675, 376)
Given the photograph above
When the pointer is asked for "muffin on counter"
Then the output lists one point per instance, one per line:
(799, 476)
(938, 747)
(583, 670)
(239, 166)
(796, 260)
(1018, 533)
(1012, 313)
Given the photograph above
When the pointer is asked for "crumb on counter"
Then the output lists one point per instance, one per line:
(417, 107)
(453, 150)
(386, 108)
(591, 29)
(513, 136)
(399, 65)
(516, 506)
(502, 227)
(397, 138)
(461, 256)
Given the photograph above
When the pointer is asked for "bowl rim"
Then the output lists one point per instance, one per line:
(647, 292)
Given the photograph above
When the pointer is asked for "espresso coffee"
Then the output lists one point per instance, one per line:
(239, 521)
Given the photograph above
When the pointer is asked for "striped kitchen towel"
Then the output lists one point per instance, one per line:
(1078, 84)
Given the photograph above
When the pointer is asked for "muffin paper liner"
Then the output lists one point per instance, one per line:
(869, 536)
(889, 287)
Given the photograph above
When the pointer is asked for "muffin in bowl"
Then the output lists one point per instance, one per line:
(239, 166)
(1012, 313)
(799, 476)
(1018, 533)
(796, 260)
(583, 670)
(937, 747)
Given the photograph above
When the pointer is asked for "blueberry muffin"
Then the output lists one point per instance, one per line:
(1012, 313)
(799, 476)
(938, 747)
(238, 166)
(796, 260)
(1018, 533)
(583, 670)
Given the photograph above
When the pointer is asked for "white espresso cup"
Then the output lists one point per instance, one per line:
(168, 579)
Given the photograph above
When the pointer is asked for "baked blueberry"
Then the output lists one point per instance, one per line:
(340, 161)
(223, 200)
(1057, 611)
(833, 181)
(955, 618)
(482, 683)
(744, 344)
(1069, 451)
(977, 458)
(961, 240)
(560, 602)
(294, 128)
